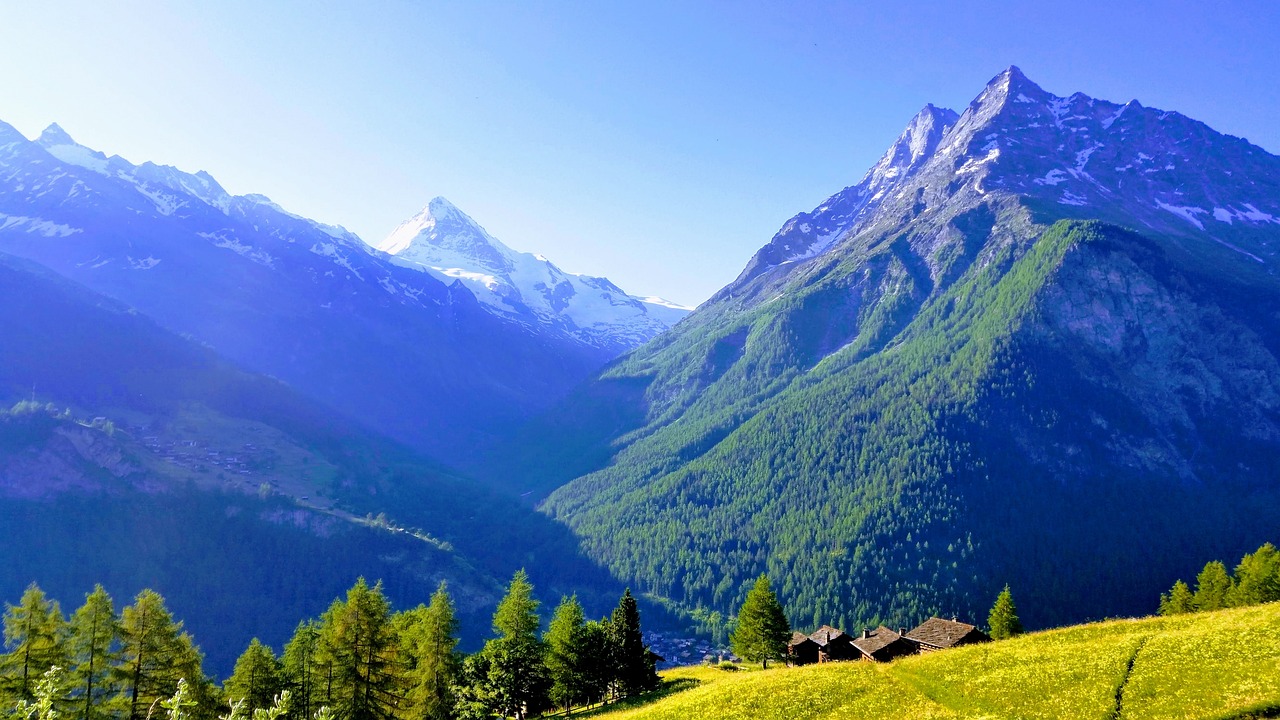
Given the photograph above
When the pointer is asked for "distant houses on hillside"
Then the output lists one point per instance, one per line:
(829, 644)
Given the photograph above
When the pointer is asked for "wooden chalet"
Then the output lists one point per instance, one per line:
(938, 634)
(833, 644)
(883, 644)
(802, 650)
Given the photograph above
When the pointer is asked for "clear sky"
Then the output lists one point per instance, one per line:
(656, 143)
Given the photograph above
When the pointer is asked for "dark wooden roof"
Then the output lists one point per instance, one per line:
(941, 633)
(799, 638)
(876, 640)
(825, 634)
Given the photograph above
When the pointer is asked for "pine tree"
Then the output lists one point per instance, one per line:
(1179, 600)
(564, 653)
(155, 655)
(357, 638)
(1212, 586)
(763, 631)
(1003, 618)
(256, 680)
(432, 644)
(92, 649)
(517, 676)
(301, 672)
(1257, 578)
(635, 670)
(33, 633)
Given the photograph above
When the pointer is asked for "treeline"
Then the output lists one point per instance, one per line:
(1256, 581)
(357, 661)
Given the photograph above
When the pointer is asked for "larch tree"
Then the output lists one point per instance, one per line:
(517, 673)
(1212, 586)
(763, 631)
(1257, 578)
(303, 676)
(93, 639)
(1179, 600)
(431, 642)
(564, 654)
(256, 680)
(357, 638)
(33, 635)
(1003, 618)
(155, 654)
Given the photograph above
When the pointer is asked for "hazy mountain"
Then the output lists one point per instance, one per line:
(416, 357)
(525, 287)
(950, 376)
(135, 458)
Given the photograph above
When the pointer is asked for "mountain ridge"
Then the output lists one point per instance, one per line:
(525, 286)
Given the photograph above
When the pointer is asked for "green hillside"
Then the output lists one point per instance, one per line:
(1059, 407)
(1221, 665)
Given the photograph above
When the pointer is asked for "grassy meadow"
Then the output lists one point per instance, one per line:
(1222, 665)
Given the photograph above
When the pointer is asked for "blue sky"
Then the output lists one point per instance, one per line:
(656, 143)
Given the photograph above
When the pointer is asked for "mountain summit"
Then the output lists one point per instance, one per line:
(443, 240)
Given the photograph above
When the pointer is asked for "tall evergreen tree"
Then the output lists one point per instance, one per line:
(92, 649)
(1212, 586)
(596, 660)
(517, 681)
(1257, 578)
(1179, 600)
(256, 680)
(432, 645)
(155, 654)
(357, 638)
(301, 672)
(1003, 617)
(564, 654)
(33, 634)
(763, 631)
(635, 669)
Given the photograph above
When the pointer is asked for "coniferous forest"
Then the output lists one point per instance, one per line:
(359, 660)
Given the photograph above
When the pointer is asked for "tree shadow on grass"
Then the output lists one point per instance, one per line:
(668, 687)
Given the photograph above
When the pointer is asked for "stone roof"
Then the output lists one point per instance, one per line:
(825, 634)
(941, 633)
(798, 638)
(876, 640)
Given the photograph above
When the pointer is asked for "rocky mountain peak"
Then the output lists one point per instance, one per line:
(54, 135)
(441, 235)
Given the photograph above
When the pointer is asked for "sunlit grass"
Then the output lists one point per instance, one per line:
(1213, 665)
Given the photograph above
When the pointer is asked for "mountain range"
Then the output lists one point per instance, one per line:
(1038, 343)
(413, 354)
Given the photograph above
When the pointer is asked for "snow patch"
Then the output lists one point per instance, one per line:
(145, 263)
(1053, 177)
(37, 226)
(1186, 212)
(329, 250)
(1250, 213)
(221, 240)
(1070, 198)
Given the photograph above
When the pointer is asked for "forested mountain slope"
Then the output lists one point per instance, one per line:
(947, 377)
(135, 458)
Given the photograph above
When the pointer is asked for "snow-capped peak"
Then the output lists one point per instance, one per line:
(445, 241)
(58, 143)
(442, 235)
